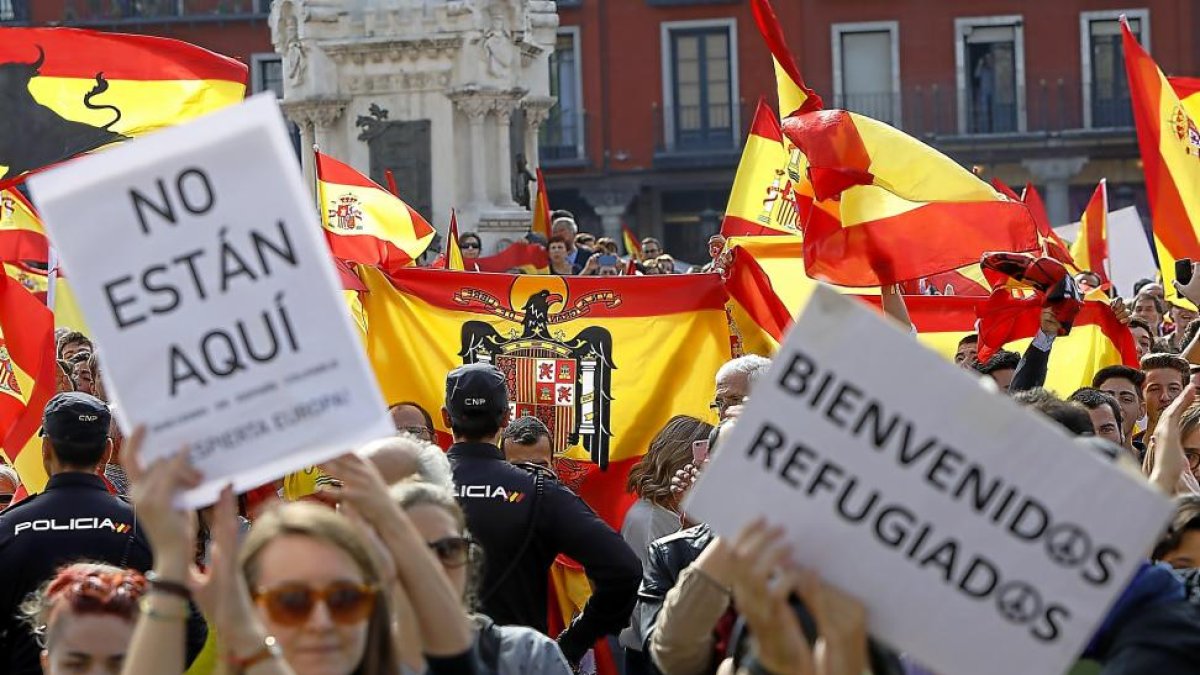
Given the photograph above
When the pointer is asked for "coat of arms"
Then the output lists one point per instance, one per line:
(1186, 131)
(8, 374)
(344, 213)
(565, 381)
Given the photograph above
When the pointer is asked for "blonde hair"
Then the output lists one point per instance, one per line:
(306, 519)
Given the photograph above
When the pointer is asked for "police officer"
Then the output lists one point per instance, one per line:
(74, 519)
(523, 520)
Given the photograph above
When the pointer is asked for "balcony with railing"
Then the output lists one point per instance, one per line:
(1045, 110)
(14, 11)
(562, 140)
(109, 12)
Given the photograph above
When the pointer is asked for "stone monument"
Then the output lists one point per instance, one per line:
(439, 92)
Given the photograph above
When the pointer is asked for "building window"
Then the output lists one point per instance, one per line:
(268, 74)
(990, 59)
(561, 137)
(1105, 86)
(700, 72)
(866, 69)
(14, 10)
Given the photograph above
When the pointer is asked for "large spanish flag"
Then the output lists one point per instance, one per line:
(765, 193)
(27, 373)
(22, 236)
(365, 223)
(605, 362)
(766, 295)
(1170, 146)
(903, 210)
(69, 91)
(794, 95)
(1090, 250)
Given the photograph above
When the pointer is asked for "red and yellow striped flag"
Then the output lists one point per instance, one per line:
(633, 247)
(22, 236)
(1170, 147)
(764, 199)
(605, 362)
(1188, 91)
(452, 257)
(27, 371)
(766, 292)
(365, 223)
(69, 91)
(794, 96)
(1090, 250)
(541, 209)
(903, 210)
(526, 256)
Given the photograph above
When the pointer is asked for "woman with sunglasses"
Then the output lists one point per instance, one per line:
(304, 594)
(84, 617)
(506, 650)
(470, 245)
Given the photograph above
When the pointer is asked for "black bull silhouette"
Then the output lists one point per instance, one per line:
(37, 135)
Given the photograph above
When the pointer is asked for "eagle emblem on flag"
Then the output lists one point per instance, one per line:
(565, 381)
(8, 374)
(1185, 130)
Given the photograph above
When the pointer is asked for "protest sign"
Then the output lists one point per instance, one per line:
(979, 537)
(198, 262)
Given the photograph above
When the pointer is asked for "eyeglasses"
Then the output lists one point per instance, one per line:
(452, 551)
(723, 404)
(419, 432)
(292, 604)
(1193, 458)
(468, 244)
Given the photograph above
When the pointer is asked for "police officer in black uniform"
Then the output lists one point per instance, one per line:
(523, 520)
(74, 519)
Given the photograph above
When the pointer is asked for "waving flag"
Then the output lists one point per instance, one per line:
(22, 236)
(1188, 91)
(633, 248)
(764, 199)
(1170, 147)
(69, 91)
(794, 95)
(541, 209)
(34, 280)
(526, 256)
(27, 374)
(1051, 244)
(452, 257)
(365, 223)
(903, 210)
(1090, 250)
(603, 361)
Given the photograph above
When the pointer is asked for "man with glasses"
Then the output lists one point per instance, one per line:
(523, 521)
(734, 380)
(411, 418)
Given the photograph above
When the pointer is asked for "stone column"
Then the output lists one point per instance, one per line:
(1056, 174)
(315, 119)
(475, 107)
(609, 202)
(537, 110)
(504, 111)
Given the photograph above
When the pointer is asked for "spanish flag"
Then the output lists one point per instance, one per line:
(30, 278)
(22, 236)
(365, 223)
(1090, 250)
(633, 247)
(766, 294)
(28, 375)
(1170, 146)
(903, 210)
(69, 91)
(452, 257)
(541, 209)
(764, 199)
(603, 361)
(794, 96)
(1188, 91)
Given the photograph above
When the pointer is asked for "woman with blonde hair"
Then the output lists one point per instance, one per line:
(304, 593)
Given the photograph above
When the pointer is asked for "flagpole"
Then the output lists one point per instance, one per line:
(316, 178)
(51, 277)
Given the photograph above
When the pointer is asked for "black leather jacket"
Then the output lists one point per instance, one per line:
(665, 560)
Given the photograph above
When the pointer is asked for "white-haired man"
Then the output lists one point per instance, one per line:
(734, 381)
(562, 224)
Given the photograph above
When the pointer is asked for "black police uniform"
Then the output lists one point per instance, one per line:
(75, 519)
(499, 500)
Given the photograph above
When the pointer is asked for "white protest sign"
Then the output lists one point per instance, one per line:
(198, 262)
(980, 539)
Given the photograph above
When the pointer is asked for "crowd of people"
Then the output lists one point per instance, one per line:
(572, 252)
(409, 558)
